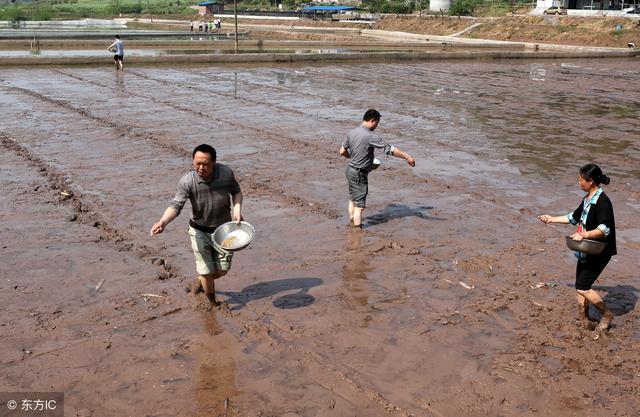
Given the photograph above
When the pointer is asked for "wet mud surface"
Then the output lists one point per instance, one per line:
(452, 301)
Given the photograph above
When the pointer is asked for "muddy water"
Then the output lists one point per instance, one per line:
(160, 49)
(429, 310)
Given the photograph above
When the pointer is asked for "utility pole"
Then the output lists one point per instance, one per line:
(235, 16)
(150, 15)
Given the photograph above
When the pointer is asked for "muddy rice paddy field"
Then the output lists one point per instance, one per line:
(452, 301)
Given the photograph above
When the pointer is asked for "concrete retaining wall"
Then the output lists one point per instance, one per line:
(64, 24)
(277, 57)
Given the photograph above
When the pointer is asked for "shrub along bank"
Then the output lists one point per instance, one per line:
(80, 9)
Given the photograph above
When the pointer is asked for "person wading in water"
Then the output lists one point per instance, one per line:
(359, 146)
(594, 220)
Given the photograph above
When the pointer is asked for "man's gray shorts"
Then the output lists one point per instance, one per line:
(358, 181)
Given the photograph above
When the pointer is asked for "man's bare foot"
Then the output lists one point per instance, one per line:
(196, 287)
(212, 299)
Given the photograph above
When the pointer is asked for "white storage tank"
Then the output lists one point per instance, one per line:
(437, 5)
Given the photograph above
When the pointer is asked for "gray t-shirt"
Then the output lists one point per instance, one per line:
(210, 200)
(360, 143)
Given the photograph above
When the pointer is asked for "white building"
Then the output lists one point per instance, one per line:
(437, 5)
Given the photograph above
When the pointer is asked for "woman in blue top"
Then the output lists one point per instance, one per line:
(594, 220)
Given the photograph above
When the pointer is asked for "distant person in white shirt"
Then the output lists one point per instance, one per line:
(118, 48)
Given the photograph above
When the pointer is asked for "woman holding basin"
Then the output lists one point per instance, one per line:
(595, 221)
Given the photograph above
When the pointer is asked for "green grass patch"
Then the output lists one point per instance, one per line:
(622, 110)
(79, 9)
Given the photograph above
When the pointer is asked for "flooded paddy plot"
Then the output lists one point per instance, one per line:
(78, 45)
(432, 309)
(271, 44)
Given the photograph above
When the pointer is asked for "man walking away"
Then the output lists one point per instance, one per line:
(118, 48)
(359, 146)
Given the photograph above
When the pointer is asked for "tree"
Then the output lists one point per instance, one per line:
(462, 8)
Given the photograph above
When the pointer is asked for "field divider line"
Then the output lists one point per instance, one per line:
(299, 146)
(273, 191)
(315, 207)
(328, 100)
(85, 213)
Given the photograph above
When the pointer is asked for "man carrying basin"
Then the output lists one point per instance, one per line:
(359, 146)
(211, 188)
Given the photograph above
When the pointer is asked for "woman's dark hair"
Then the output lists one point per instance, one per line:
(371, 114)
(204, 148)
(594, 173)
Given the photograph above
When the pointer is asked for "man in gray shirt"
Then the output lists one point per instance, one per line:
(359, 146)
(210, 187)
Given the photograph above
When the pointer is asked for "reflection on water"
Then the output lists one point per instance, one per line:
(75, 53)
(235, 85)
(215, 372)
(258, 49)
(355, 288)
(119, 81)
(538, 73)
(545, 116)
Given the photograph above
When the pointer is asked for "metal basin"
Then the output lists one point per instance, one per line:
(232, 237)
(376, 163)
(588, 246)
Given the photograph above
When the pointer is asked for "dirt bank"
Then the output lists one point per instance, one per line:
(561, 30)
(565, 30)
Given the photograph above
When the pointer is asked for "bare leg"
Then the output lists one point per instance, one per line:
(209, 286)
(590, 295)
(357, 216)
(351, 207)
(594, 298)
(583, 310)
